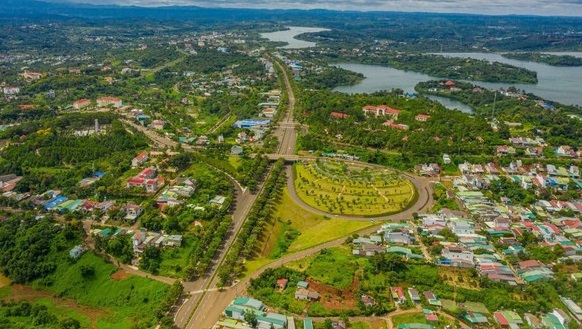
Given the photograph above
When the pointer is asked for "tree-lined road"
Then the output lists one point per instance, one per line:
(203, 307)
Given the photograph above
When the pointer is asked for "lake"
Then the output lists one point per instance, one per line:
(560, 84)
(387, 78)
(289, 36)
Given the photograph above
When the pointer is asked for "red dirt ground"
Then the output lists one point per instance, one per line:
(333, 298)
(120, 275)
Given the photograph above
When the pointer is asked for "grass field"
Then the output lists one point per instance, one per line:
(313, 229)
(125, 303)
(335, 267)
(174, 260)
(60, 307)
(339, 188)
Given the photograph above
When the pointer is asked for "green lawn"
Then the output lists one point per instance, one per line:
(313, 229)
(335, 267)
(174, 260)
(352, 190)
(130, 301)
(327, 230)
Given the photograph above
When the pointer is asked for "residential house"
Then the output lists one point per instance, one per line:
(381, 110)
(106, 101)
(368, 301)
(173, 240)
(306, 294)
(398, 295)
(476, 318)
(307, 323)
(456, 253)
(132, 211)
(414, 295)
(561, 316)
(236, 150)
(403, 238)
(505, 150)
(446, 159)
(565, 151)
(432, 298)
(158, 124)
(574, 171)
(139, 159)
(218, 201)
(422, 117)
(147, 178)
(532, 321)
(81, 103)
(339, 115)
(338, 324)
(269, 112)
(282, 283)
(76, 252)
(574, 309)
(30, 75)
(10, 91)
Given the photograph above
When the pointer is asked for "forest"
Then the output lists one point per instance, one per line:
(550, 59)
(456, 131)
(32, 249)
(554, 124)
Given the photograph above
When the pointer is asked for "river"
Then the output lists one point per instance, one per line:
(288, 36)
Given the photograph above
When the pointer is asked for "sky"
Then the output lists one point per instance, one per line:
(493, 7)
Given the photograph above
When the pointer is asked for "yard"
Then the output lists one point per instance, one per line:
(339, 188)
(174, 260)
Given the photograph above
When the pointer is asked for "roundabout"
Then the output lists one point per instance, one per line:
(352, 189)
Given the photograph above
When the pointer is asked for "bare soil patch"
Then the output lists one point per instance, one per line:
(120, 275)
(333, 298)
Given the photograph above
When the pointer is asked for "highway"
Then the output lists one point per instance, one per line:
(205, 303)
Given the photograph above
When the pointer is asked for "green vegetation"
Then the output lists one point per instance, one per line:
(550, 59)
(557, 128)
(132, 300)
(252, 231)
(367, 137)
(333, 267)
(339, 188)
(441, 66)
(37, 252)
(34, 315)
(330, 77)
(442, 200)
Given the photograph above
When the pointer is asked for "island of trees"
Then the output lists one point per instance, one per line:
(550, 59)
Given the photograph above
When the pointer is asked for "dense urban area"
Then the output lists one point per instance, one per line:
(184, 168)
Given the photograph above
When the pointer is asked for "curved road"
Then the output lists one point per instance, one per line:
(206, 303)
(212, 302)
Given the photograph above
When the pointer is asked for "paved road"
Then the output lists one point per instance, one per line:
(205, 304)
(286, 132)
(423, 187)
(244, 201)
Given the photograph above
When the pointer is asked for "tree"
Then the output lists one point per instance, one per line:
(251, 319)
(69, 323)
(87, 271)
